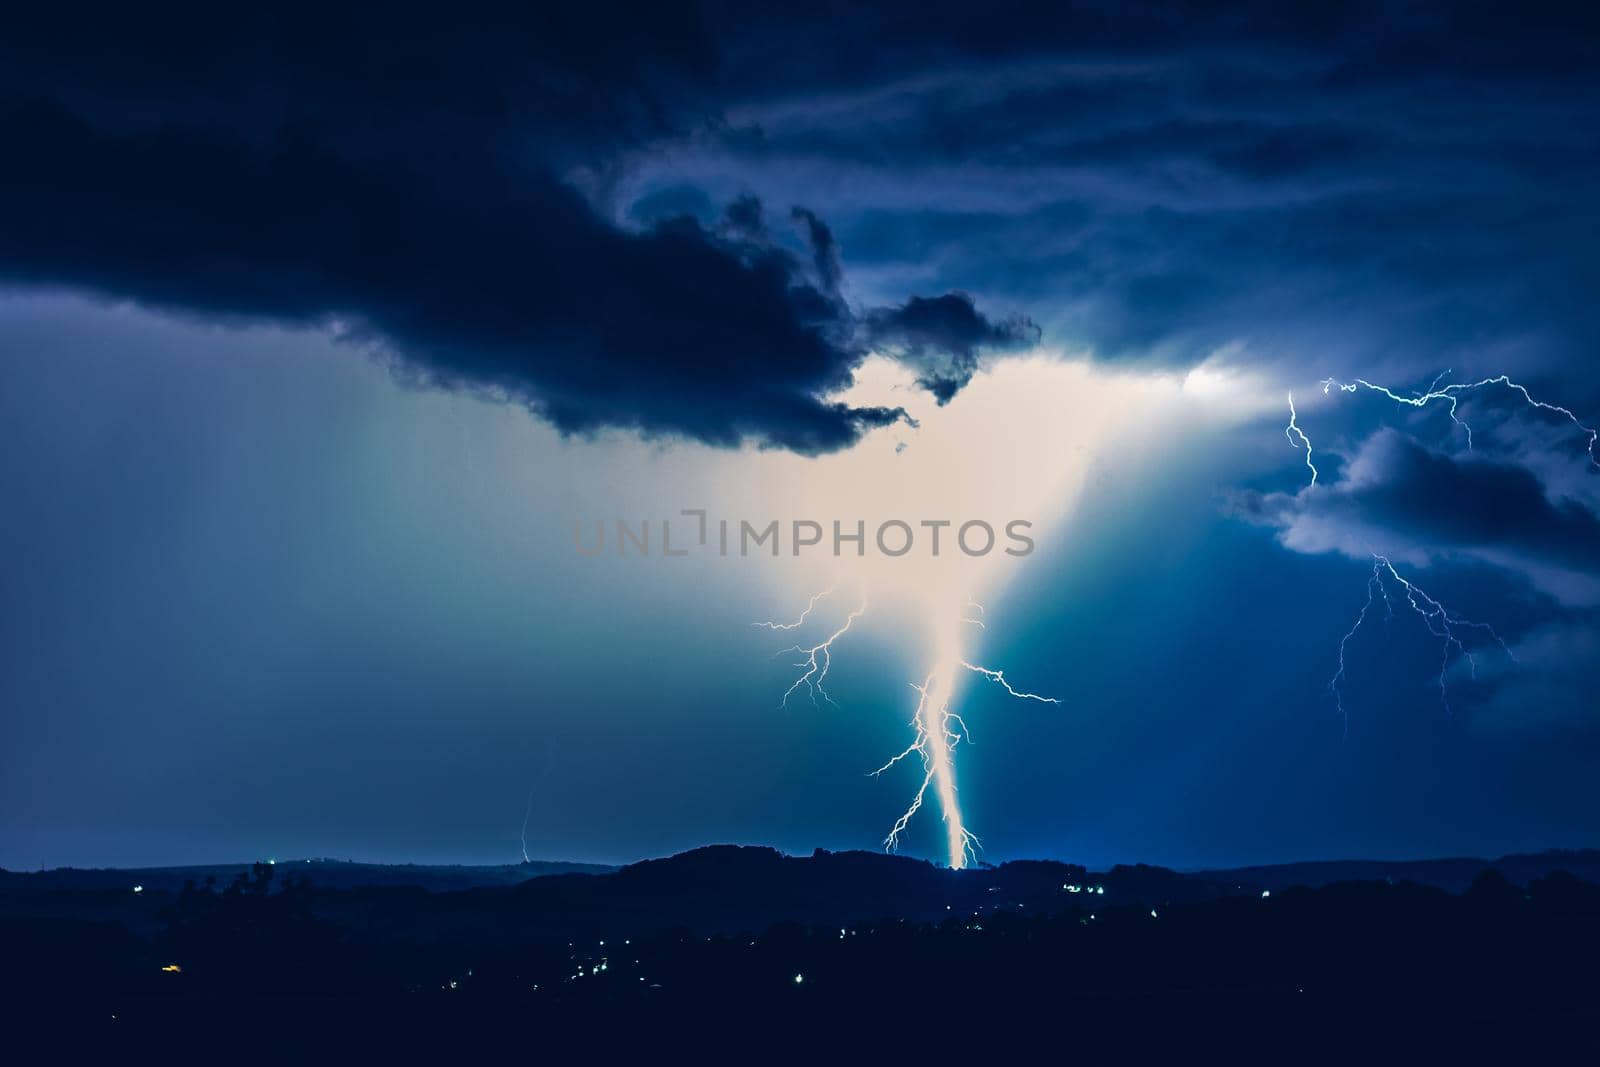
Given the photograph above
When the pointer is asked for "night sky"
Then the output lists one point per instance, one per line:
(320, 330)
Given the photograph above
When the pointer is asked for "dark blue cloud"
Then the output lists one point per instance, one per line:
(472, 275)
(416, 186)
(942, 338)
(1397, 497)
(1404, 185)
(509, 199)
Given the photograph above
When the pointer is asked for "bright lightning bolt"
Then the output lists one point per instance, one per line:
(938, 731)
(1451, 395)
(1293, 431)
(937, 727)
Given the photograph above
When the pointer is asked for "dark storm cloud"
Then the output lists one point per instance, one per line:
(1332, 188)
(1397, 497)
(416, 186)
(522, 199)
(473, 277)
(824, 249)
(942, 337)
(744, 217)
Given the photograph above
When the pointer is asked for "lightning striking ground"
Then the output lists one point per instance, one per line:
(938, 731)
(938, 727)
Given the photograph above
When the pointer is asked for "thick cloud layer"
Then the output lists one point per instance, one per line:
(1354, 188)
(526, 199)
(1399, 498)
(416, 186)
(943, 336)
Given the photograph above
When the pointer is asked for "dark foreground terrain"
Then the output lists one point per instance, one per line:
(758, 955)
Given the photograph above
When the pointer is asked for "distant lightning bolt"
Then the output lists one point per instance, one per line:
(1442, 624)
(1439, 620)
(527, 813)
(527, 809)
(937, 727)
(1293, 431)
(818, 657)
(1374, 584)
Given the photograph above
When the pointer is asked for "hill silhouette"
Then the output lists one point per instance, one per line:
(326, 873)
(728, 940)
